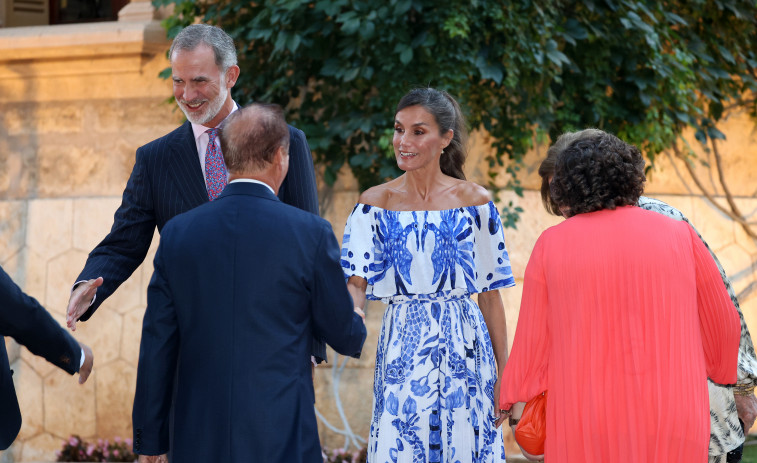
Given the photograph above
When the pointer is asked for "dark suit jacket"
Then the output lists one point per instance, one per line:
(22, 318)
(240, 287)
(166, 181)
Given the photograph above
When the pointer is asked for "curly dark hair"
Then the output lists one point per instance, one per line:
(547, 166)
(595, 170)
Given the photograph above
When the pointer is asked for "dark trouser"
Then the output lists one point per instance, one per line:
(734, 456)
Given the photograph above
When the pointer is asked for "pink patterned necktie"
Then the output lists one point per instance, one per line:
(215, 169)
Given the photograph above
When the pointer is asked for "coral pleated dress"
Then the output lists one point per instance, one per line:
(623, 317)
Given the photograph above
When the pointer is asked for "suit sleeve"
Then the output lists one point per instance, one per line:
(158, 353)
(718, 322)
(26, 321)
(334, 317)
(299, 189)
(125, 247)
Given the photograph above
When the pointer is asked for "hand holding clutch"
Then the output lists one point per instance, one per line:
(528, 422)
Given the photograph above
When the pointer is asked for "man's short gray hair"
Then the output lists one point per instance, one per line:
(251, 136)
(223, 46)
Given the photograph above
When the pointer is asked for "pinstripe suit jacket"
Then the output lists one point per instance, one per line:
(166, 181)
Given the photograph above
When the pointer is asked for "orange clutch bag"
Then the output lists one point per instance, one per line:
(532, 426)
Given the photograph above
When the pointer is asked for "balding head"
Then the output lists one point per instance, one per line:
(255, 142)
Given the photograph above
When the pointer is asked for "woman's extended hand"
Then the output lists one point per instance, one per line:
(500, 415)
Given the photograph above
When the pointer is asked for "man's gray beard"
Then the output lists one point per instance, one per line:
(212, 110)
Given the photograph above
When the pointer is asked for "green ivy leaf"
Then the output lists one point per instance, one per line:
(712, 132)
(406, 56)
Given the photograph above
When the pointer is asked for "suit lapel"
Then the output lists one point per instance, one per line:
(185, 167)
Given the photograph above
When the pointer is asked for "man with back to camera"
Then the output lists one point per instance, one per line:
(183, 169)
(241, 285)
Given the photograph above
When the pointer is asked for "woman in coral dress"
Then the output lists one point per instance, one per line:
(424, 243)
(730, 407)
(623, 318)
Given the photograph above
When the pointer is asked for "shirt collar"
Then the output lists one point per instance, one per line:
(252, 180)
(199, 129)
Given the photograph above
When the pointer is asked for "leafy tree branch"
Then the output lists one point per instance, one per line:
(732, 211)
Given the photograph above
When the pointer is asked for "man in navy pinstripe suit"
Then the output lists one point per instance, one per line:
(169, 175)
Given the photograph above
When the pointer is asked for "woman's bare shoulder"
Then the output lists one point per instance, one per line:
(472, 194)
(376, 196)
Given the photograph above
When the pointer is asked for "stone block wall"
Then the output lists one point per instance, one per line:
(67, 191)
(76, 102)
(72, 117)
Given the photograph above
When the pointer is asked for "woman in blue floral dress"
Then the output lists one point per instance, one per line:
(423, 243)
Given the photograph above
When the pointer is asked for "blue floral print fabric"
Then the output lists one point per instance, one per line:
(435, 368)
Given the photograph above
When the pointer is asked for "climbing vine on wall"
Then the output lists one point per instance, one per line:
(645, 70)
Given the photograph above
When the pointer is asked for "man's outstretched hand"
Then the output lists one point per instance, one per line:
(80, 299)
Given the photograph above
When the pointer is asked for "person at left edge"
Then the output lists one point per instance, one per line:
(170, 174)
(26, 321)
(240, 287)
